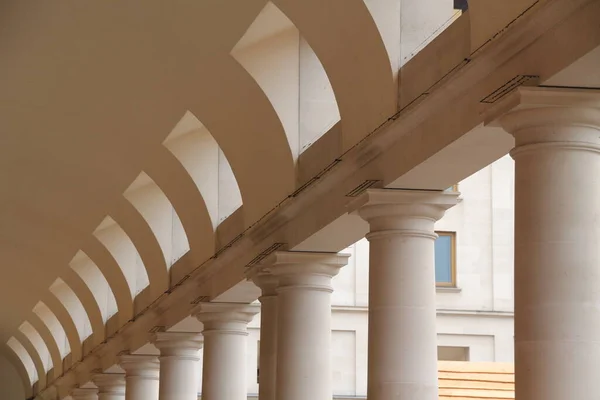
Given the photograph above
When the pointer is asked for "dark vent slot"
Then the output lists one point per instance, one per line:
(201, 299)
(156, 329)
(519, 80)
(361, 188)
(261, 256)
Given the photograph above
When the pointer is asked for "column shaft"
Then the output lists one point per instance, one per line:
(557, 237)
(225, 342)
(178, 365)
(402, 362)
(141, 377)
(110, 386)
(304, 324)
(268, 334)
(402, 359)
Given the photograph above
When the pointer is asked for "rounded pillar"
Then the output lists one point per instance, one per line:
(141, 376)
(304, 323)
(268, 333)
(557, 239)
(110, 386)
(178, 365)
(225, 342)
(402, 355)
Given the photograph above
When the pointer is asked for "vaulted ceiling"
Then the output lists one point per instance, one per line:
(137, 139)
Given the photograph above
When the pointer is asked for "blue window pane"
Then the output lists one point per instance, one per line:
(443, 259)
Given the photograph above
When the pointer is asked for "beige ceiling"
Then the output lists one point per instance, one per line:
(90, 90)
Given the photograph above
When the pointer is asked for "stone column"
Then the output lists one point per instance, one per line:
(304, 323)
(402, 358)
(110, 386)
(225, 341)
(84, 394)
(141, 376)
(557, 242)
(178, 364)
(268, 333)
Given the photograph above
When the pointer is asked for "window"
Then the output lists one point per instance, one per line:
(445, 259)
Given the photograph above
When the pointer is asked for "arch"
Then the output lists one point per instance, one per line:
(92, 309)
(140, 233)
(95, 280)
(35, 356)
(270, 51)
(248, 131)
(125, 254)
(14, 359)
(65, 319)
(54, 327)
(177, 184)
(347, 41)
(51, 344)
(114, 275)
(199, 153)
(156, 209)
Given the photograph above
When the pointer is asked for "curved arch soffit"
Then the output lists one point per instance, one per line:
(16, 362)
(89, 303)
(49, 340)
(199, 153)
(238, 114)
(125, 254)
(54, 326)
(173, 179)
(113, 274)
(346, 40)
(35, 356)
(67, 322)
(270, 52)
(139, 231)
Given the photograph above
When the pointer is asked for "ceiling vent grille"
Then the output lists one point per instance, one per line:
(201, 299)
(357, 191)
(262, 255)
(158, 328)
(519, 80)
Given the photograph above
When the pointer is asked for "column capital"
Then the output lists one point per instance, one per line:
(225, 317)
(263, 279)
(401, 211)
(110, 383)
(84, 394)
(140, 365)
(305, 270)
(526, 111)
(178, 344)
